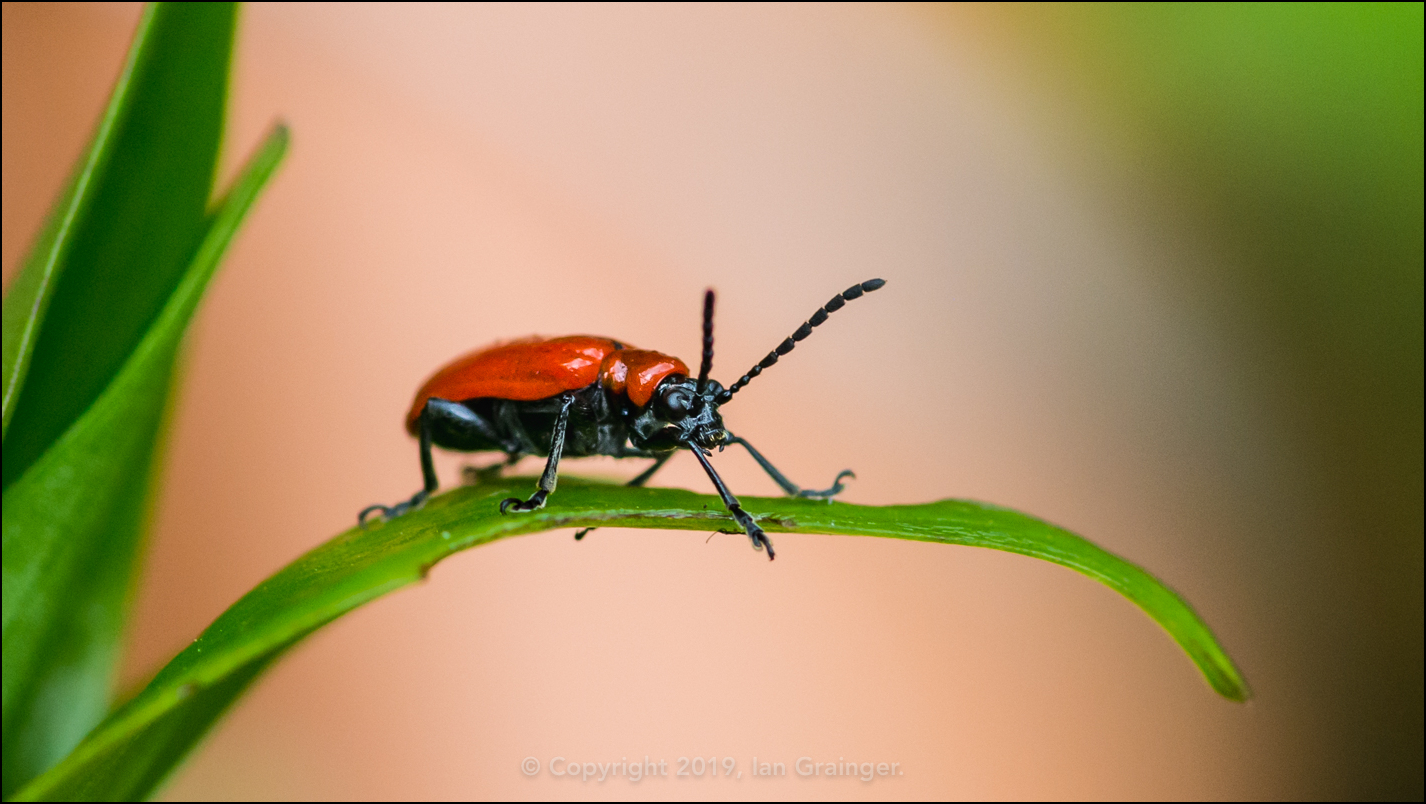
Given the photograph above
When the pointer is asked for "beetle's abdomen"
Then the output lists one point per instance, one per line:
(523, 370)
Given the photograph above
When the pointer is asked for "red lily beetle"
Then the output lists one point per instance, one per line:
(582, 395)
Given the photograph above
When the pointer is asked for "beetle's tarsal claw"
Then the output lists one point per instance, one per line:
(367, 511)
(389, 512)
(827, 494)
(535, 503)
(765, 540)
(759, 540)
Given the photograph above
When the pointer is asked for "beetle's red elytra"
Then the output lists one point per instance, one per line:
(583, 395)
(538, 368)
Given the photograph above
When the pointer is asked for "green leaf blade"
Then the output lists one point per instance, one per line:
(71, 522)
(118, 241)
(362, 564)
(108, 257)
(959, 522)
(30, 294)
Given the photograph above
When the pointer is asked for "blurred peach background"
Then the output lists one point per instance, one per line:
(463, 174)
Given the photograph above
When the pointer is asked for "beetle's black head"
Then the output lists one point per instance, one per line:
(684, 412)
(679, 415)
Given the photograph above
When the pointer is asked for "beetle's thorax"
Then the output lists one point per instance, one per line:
(678, 415)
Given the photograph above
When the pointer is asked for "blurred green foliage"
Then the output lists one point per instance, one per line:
(1287, 139)
(1292, 132)
(92, 326)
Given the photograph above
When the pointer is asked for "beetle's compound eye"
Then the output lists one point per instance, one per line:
(678, 401)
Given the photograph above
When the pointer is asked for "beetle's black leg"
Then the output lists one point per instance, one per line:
(636, 482)
(648, 473)
(731, 503)
(507, 415)
(552, 466)
(475, 475)
(792, 489)
(428, 475)
(630, 452)
(428, 466)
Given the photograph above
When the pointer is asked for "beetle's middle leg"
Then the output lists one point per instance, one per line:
(552, 466)
(475, 475)
(790, 488)
(643, 478)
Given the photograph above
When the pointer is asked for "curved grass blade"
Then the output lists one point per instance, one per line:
(128, 754)
(59, 518)
(30, 294)
(118, 241)
(113, 250)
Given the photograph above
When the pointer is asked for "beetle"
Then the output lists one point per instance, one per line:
(584, 395)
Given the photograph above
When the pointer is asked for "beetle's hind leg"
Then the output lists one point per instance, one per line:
(428, 475)
(392, 511)
(792, 489)
(454, 420)
(552, 466)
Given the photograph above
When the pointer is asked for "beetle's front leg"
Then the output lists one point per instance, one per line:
(730, 502)
(552, 466)
(792, 489)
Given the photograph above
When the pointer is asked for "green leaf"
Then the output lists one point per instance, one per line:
(110, 255)
(65, 567)
(130, 753)
(33, 289)
(119, 239)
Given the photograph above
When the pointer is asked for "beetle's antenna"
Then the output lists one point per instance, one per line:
(853, 292)
(707, 364)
